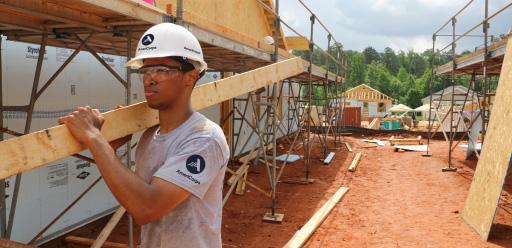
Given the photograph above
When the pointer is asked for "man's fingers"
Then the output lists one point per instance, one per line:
(62, 120)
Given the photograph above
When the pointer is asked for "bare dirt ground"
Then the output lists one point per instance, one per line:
(396, 199)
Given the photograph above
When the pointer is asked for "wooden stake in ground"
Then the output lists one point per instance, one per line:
(36, 149)
(302, 235)
(355, 161)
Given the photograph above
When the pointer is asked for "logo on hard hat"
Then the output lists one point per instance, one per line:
(148, 39)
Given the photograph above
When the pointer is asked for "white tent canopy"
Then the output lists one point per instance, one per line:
(400, 108)
(422, 108)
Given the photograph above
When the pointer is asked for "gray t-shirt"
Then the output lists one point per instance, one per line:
(194, 157)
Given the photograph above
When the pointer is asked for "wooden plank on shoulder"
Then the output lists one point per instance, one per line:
(36, 149)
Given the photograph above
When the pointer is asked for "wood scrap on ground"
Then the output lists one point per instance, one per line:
(348, 147)
(397, 141)
(302, 235)
(355, 161)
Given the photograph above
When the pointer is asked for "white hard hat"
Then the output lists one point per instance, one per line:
(165, 40)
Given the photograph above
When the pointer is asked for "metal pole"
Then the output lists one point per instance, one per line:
(61, 68)
(3, 213)
(452, 132)
(128, 144)
(64, 211)
(432, 64)
(179, 12)
(327, 106)
(307, 146)
(274, 114)
(485, 109)
(28, 123)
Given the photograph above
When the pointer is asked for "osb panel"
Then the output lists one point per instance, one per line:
(248, 20)
(484, 194)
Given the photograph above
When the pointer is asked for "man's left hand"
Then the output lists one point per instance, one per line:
(84, 124)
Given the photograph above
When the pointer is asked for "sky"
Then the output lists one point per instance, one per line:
(399, 24)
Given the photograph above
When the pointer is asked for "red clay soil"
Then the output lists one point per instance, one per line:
(396, 199)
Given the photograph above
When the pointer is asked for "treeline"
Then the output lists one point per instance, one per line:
(402, 75)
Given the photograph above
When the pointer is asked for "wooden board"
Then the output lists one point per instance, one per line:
(494, 163)
(33, 150)
(297, 43)
(355, 161)
(302, 235)
(249, 19)
(348, 147)
(395, 141)
(111, 224)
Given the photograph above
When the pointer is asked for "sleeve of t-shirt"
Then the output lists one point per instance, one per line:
(194, 166)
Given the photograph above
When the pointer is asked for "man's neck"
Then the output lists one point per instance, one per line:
(173, 117)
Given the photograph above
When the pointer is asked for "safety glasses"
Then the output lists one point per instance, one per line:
(159, 72)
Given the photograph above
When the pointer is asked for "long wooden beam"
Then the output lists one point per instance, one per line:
(36, 149)
(302, 235)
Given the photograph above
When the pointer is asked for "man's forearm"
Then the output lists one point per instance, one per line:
(129, 189)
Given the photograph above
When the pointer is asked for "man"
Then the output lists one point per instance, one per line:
(176, 190)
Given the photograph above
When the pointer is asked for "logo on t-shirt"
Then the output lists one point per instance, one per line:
(195, 164)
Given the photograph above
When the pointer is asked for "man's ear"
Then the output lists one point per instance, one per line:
(191, 77)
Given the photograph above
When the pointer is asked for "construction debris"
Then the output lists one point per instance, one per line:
(398, 141)
(355, 161)
(376, 141)
(329, 158)
(416, 148)
(348, 147)
(302, 235)
(290, 159)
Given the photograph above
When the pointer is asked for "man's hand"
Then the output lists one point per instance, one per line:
(84, 124)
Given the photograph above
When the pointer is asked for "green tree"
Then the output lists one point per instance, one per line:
(390, 60)
(370, 55)
(357, 70)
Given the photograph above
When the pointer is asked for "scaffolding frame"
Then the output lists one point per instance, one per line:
(266, 124)
(129, 30)
(487, 65)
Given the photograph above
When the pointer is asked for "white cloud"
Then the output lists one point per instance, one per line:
(399, 24)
